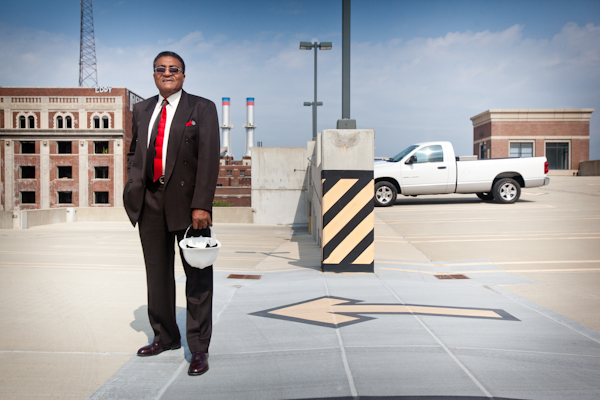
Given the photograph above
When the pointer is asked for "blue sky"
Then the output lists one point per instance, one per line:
(420, 69)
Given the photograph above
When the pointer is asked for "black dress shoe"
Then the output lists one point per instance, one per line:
(154, 349)
(199, 364)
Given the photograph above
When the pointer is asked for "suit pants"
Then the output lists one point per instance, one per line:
(159, 253)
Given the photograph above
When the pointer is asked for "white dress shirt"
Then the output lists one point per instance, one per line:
(171, 108)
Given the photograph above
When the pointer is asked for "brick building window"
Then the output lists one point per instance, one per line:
(27, 197)
(557, 155)
(65, 172)
(229, 172)
(100, 197)
(242, 172)
(62, 122)
(482, 151)
(101, 121)
(64, 148)
(101, 147)
(27, 147)
(27, 172)
(101, 172)
(65, 197)
(26, 122)
(521, 149)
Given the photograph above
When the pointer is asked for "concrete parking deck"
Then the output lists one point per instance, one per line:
(523, 325)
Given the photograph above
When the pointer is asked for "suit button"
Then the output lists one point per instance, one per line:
(182, 183)
(186, 141)
(184, 162)
(131, 181)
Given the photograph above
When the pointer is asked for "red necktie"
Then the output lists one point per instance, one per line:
(158, 145)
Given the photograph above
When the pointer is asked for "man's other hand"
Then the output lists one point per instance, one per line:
(201, 219)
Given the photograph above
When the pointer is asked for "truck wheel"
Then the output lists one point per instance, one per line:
(385, 194)
(485, 196)
(506, 191)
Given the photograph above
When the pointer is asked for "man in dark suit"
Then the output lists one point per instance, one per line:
(173, 164)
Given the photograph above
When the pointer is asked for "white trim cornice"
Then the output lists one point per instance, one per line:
(530, 115)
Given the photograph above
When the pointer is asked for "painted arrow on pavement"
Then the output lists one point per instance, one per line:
(335, 312)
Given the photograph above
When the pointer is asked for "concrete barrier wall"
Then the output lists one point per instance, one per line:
(280, 185)
(235, 215)
(589, 168)
(33, 218)
(91, 214)
(243, 215)
(315, 189)
(6, 219)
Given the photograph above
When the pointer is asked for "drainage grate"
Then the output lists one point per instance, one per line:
(234, 276)
(457, 276)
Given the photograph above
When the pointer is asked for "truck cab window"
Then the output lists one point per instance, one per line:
(430, 154)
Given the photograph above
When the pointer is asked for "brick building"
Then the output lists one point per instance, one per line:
(234, 182)
(64, 147)
(562, 136)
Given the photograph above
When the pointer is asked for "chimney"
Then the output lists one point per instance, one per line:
(226, 129)
(249, 125)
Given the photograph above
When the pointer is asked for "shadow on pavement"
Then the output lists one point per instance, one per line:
(140, 321)
(445, 200)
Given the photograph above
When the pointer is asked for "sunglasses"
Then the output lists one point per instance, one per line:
(162, 70)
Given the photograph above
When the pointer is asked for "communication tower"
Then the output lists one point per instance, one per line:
(87, 47)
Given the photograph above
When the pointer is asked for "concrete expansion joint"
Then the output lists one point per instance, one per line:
(446, 349)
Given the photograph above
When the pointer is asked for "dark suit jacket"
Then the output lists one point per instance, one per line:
(192, 165)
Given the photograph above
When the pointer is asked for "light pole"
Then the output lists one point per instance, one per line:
(315, 103)
(346, 122)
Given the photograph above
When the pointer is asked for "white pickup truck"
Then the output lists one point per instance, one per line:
(433, 168)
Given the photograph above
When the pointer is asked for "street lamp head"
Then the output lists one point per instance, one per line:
(314, 104)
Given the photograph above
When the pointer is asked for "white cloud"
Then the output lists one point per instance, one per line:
(38, 59)
(407, 89)
(428, 88)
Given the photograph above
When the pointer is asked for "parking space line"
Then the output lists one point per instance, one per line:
(495, 235)
(496, 239)
(510, 271)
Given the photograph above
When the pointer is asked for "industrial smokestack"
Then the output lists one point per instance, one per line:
(249, 125)
(226, 128)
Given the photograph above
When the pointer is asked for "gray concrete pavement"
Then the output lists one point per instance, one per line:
(523, 326)
(551, 236)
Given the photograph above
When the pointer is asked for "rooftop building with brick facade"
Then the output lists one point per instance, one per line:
(235, 182)
(560, 135)
(64, 147)
(67, 147)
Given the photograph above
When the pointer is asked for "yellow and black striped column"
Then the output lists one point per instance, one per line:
(348, 221)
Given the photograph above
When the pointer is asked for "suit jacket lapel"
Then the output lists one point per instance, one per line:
(143, 129)
(182, 115)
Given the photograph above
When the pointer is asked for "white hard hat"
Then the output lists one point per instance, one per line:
(200, 252)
